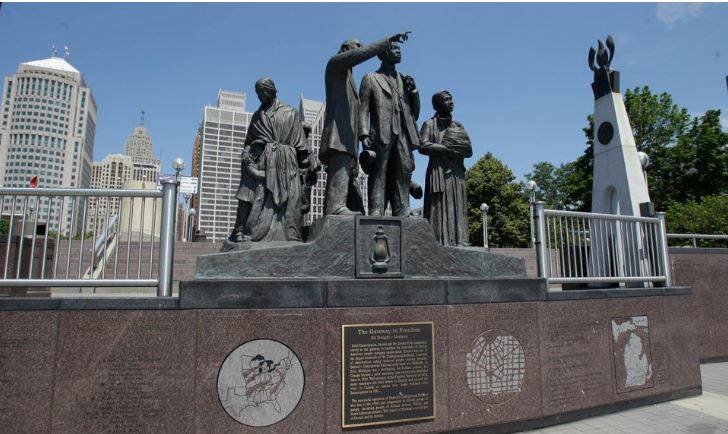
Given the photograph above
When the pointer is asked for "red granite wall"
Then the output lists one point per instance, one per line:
(706, 271)
(90, 371)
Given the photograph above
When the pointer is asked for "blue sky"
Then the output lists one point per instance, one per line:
(518, 72)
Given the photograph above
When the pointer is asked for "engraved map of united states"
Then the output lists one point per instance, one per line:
(263, 382)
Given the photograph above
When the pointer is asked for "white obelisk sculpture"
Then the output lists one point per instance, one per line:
(619, 186)
(618, 248)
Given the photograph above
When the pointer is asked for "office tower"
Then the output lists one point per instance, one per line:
(195, 172)
(312, 112)
(112, 172)
(139, 147)
(223, 133)
(137, 164)
(47, 130)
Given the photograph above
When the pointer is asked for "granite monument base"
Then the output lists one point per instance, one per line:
(341, 248)
(525, 359)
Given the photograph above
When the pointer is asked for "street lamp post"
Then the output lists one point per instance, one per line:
(178, 165)
(531, 185)
(484, 209)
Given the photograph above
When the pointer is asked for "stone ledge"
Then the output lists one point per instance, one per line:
(464, 291)
(319, 293)
(251, 294)
(579, 294)
(380, 292)
(698, 250)
(89, 303)
(120, 303)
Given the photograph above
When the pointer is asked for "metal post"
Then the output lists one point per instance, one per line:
(532, 199)
(166, 238)
(191, 216)
(484, 209)
(531, 185)
(187, 217)
(485, 229)
(664, 258)
(540, 242)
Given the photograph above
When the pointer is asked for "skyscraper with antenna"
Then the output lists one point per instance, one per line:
(47, 130)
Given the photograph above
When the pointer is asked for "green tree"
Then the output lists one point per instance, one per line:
(492, 182)
(708, 216)
(546, 178)
(656, 120)
(568, 186)
(704, 149)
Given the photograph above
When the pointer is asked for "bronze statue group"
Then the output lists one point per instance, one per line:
(278, 164)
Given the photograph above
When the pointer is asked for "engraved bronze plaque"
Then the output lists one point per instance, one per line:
(605, 133)
(378, 247)
(387, 373)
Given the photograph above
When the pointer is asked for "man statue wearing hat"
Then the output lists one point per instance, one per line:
(339, 138)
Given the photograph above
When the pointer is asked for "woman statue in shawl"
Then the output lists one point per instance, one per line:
(445, 141)
(270, 192)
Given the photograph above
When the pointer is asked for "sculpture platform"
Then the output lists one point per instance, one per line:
(340, 248)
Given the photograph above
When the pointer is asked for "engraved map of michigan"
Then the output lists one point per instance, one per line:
(632, 358)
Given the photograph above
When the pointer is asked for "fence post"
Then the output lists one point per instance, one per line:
(166, 236)
(664, 258)
(539, 224)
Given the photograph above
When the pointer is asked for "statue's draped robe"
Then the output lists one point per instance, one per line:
(276, 211)
(446, 204)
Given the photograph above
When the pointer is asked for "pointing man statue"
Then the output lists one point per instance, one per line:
(390, 106)
(341, 124)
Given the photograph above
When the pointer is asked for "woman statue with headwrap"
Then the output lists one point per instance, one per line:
(447, 144)
(275, 151)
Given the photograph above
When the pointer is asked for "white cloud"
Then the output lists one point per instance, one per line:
(670, 13)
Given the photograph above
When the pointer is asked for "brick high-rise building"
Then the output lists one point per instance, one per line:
(195, 172)
(312, 112)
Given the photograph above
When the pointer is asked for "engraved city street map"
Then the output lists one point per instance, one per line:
(495, 367)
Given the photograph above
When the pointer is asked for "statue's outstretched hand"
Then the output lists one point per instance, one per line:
(400, 37)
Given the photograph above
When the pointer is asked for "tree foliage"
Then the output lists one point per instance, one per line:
(709, 216)
(492, 182)
(656, 121)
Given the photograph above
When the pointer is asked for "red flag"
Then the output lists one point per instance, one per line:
(34, 182)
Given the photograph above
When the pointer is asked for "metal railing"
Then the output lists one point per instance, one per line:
(59, 237)
(582, 248)
(696, 237)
